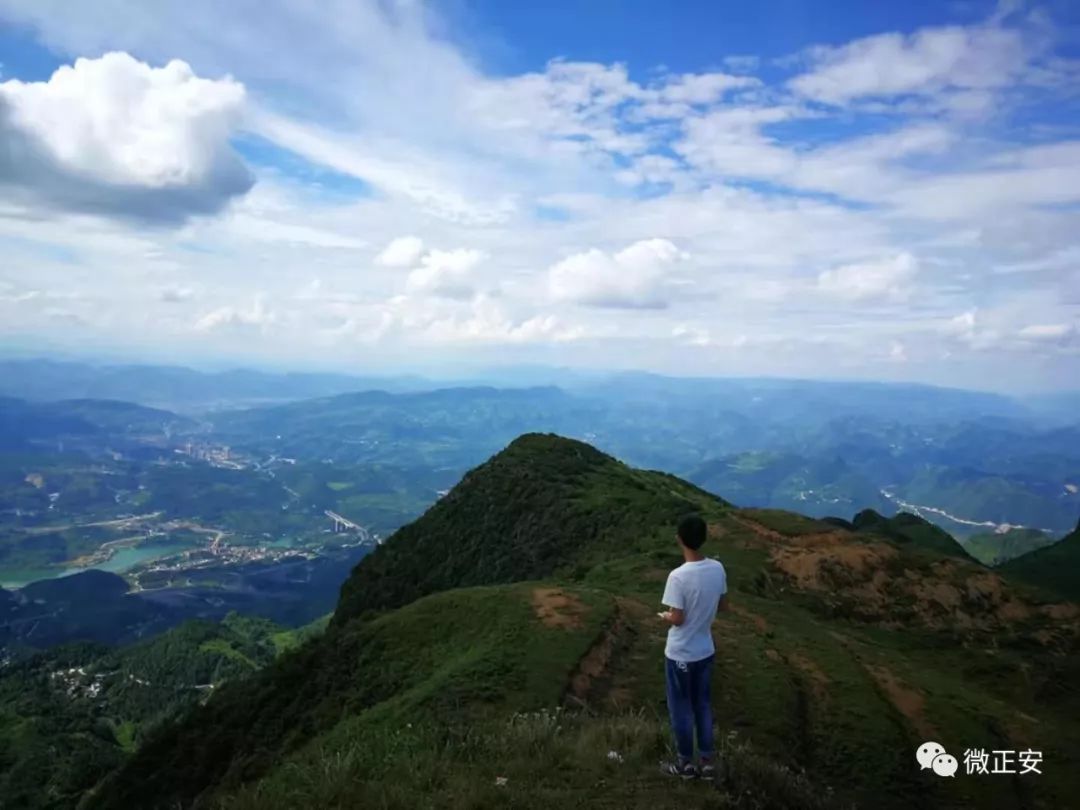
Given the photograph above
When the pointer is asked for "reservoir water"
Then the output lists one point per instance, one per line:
(123, 560)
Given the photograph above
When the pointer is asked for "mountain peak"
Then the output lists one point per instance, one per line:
(544, 503)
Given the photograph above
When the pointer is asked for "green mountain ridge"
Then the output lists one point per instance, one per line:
(554, 504)
(1055, 567)
(997, 548)
(455, 675)
(905, 527)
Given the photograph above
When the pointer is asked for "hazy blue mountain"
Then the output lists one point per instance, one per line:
(179, 388)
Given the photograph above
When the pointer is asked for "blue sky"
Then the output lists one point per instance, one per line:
(859, 190)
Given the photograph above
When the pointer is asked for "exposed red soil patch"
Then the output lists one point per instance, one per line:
(556, 608)
(814, 567)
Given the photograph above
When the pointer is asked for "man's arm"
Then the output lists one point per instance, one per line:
(722, 606)
(673, 600)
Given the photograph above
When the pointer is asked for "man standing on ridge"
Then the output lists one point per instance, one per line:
(695, 591)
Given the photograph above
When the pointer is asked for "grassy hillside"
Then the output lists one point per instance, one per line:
(503, 650)
(995, 548)
(1055, 567)
(453, 656)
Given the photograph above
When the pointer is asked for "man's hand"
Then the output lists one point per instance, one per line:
(673, 616)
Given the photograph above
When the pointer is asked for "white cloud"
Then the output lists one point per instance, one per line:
(730, 141)
(114, 135)
(634, 278)
(692, 336)
(488, 323)
(436, 184)
(702, 88)
(257, 315)
(446, 273)
(1049, 333)
(482, 320)
(881, 279)
(929, 60)
(404, 251)
(1014, 181)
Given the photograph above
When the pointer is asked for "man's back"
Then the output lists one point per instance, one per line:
(695, 588)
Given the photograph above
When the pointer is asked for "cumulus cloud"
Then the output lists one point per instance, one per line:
(404, 251)
(634, 278)
(881, 279)
(116, 136)
(446, 273)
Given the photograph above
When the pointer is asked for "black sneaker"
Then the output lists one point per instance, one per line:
(687, 771)
(708, 771)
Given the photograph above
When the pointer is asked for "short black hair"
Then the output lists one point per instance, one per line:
(693, 531)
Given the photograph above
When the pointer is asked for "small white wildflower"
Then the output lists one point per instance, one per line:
(614, 756)
(500, 781)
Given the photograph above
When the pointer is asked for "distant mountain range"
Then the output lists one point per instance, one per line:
(178, 388)
(972, 462)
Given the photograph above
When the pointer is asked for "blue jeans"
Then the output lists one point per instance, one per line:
(689, 700)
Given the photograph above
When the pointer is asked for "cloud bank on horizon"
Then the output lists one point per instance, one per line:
(363, 184)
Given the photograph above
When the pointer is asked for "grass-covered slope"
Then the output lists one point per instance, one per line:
(996, 548)
(1055, 567)
(456, 656)
(844, 651)
(544, 504)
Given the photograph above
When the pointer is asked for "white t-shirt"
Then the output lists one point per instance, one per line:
(695, 588)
